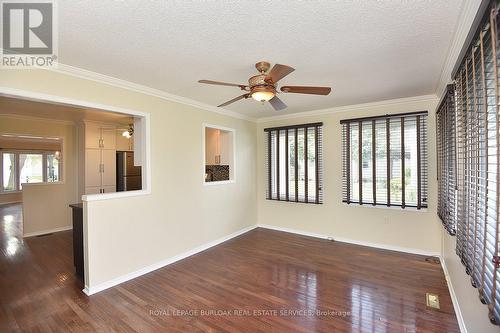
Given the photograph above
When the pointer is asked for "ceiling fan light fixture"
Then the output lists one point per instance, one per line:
(262, 87)
(129, 132)
(263, 96)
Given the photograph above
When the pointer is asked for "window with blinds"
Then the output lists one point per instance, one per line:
(294, 163)
(446, 160)
(384, 160)
(478, 151)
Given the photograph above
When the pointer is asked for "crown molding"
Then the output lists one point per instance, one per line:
(119, 83)
(464, 24)
(34, 118)
(354, 107)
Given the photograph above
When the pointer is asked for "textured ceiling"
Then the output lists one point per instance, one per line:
(365, 50)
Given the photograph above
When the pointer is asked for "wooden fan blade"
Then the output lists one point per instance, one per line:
(277, 103)
(306, 90)
(278, 72)
(242, 86)
(234, 100)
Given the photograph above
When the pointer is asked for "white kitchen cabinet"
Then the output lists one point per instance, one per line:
(100, 158)
(92, 135)
(92, 167)
(108, 138)
(108, 160)
(108, 189)
(93, 190)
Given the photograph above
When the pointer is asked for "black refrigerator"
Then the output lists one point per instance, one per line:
(128, 176)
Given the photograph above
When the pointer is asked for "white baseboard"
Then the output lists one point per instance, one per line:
(352, 241)
(454, 298)
(48, 231)
(116, 281)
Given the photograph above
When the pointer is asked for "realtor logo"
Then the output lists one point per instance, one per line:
(28, 34)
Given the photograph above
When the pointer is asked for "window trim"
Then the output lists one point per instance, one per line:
(346, 147)
(232, 180)
(318, 149)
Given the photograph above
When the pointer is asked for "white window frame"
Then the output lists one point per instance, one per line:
(232, 166)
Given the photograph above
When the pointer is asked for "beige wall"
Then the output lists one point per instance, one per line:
(390, 227)
(46, 206)
(128, 234)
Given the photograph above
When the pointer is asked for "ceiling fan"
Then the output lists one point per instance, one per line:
(263, 87)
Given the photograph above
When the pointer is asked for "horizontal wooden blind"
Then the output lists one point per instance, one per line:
(384, 160)
(294, 163)
(478, 151)
(446, 160)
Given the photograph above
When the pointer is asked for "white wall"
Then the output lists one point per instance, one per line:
(474, 313)
(127, 234)
(390, 227)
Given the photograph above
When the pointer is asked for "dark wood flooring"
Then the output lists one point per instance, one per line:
(262, 281)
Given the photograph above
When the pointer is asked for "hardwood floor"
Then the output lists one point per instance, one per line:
(262, 281)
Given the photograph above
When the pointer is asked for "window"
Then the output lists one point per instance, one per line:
(294, 163)
(31, 169)
(22, 167)
(53, 168)
(219, 155)
(384, 160)
(8, 172)
(446, 160)
(478, 151)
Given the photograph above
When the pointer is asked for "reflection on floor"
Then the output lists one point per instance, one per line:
(262, 281)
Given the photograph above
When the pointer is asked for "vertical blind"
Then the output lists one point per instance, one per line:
(294, 163)
(478, 151)
(446, 160)
(384, 160)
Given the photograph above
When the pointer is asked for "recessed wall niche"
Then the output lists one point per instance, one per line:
(218, 154)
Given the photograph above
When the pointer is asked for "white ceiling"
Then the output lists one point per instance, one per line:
(365, 50)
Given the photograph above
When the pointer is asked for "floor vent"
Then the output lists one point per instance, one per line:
(432, 300)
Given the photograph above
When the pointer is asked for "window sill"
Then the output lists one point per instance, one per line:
(396, 208)
(43, 183)
(222, 182)
(10, 192)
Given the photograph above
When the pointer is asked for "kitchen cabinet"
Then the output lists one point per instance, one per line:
(92, 136)
(93, 190)
(92, 167)
(108, 138)
(108, 173)
(100, 158)
(108, 189)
